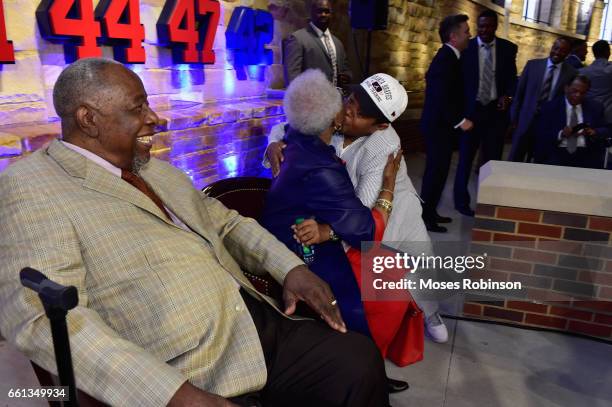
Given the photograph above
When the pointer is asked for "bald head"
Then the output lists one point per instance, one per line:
(104, 109)
(320, 13)
(78, 82)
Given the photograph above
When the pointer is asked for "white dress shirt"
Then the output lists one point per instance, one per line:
(327, 33)
(117, 172)
(580, 142)
(482, 56)
(365, 160)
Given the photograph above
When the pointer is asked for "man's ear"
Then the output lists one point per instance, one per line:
(85, 120)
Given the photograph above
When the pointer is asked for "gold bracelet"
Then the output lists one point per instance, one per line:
(386, 190)
(385, 204)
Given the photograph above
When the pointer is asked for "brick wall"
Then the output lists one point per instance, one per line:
(563, 260)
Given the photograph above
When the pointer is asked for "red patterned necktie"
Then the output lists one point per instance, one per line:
(139, 183)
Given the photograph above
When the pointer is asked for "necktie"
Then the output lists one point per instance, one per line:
(139, 183)
(332, 56)
(572, 141)
(546, 88)
(484, 95)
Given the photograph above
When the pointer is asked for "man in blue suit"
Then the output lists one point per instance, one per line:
(572, 130)
(542, 80)
(443, 115)
(578, 55)
(489, 72)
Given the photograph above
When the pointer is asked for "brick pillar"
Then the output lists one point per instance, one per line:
(572, 19)
(516, 8)
(596, 22)
(565, 15)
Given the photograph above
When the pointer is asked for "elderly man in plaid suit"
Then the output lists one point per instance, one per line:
(165, 314)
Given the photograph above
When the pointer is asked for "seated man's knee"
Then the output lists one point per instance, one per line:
(361, 358)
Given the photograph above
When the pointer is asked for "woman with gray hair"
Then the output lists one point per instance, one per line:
(314, 186)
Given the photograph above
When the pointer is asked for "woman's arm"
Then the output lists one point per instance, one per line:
(311, 232)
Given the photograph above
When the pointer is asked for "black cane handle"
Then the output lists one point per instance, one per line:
(51, 293)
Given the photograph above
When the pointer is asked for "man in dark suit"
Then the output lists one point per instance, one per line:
(600, 74)
(489, 72)
(542, 80)
(443, 114)
(578, 55)
(572, 130)
(315, 47)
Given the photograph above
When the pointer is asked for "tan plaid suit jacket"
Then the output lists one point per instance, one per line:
(157, 305)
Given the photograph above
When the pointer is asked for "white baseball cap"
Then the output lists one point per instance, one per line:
(387, 94)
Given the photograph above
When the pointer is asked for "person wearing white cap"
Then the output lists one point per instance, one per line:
(367, 140)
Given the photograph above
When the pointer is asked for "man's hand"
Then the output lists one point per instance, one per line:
(188, 395)
(343, 80)
(589, 132)
(274, 153)
(567, 132)
(310, 232)
(503, 103)
(467, 125)
(302, 284)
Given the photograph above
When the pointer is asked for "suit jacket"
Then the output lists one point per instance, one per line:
(525, 101)
(574, 61)
(444, 99)
(600, 74)
(505, 71)
(303, 50)
(553, 118)
(157, 304)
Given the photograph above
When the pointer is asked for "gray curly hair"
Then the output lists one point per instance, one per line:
(311, 102)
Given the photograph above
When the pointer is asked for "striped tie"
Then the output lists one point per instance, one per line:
(572, 141)
(546, 88)
(484, 95)
(332, 56)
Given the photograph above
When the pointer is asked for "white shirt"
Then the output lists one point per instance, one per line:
(327, 33)
(117, 172)
(580, 142)
(482, 56)
(458, 55)
(556, 74)
(365, 160)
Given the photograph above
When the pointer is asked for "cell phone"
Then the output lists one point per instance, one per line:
(580, 127)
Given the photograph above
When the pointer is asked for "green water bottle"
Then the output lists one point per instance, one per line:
(306, 252)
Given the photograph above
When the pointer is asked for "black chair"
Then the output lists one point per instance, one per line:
(247, 196)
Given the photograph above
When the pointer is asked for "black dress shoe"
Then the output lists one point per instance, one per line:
(442, 219)
(465, 210)
(395, 386)
(434, 227)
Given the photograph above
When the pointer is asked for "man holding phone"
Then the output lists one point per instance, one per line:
(572, 131)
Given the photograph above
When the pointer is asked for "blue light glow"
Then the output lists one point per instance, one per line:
(230, 164)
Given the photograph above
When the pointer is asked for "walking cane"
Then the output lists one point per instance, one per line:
(57, 301)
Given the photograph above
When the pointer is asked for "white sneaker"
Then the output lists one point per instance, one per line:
(436, 329)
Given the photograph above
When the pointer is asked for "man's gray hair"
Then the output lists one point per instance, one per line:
(77, 81)
(311, 102)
